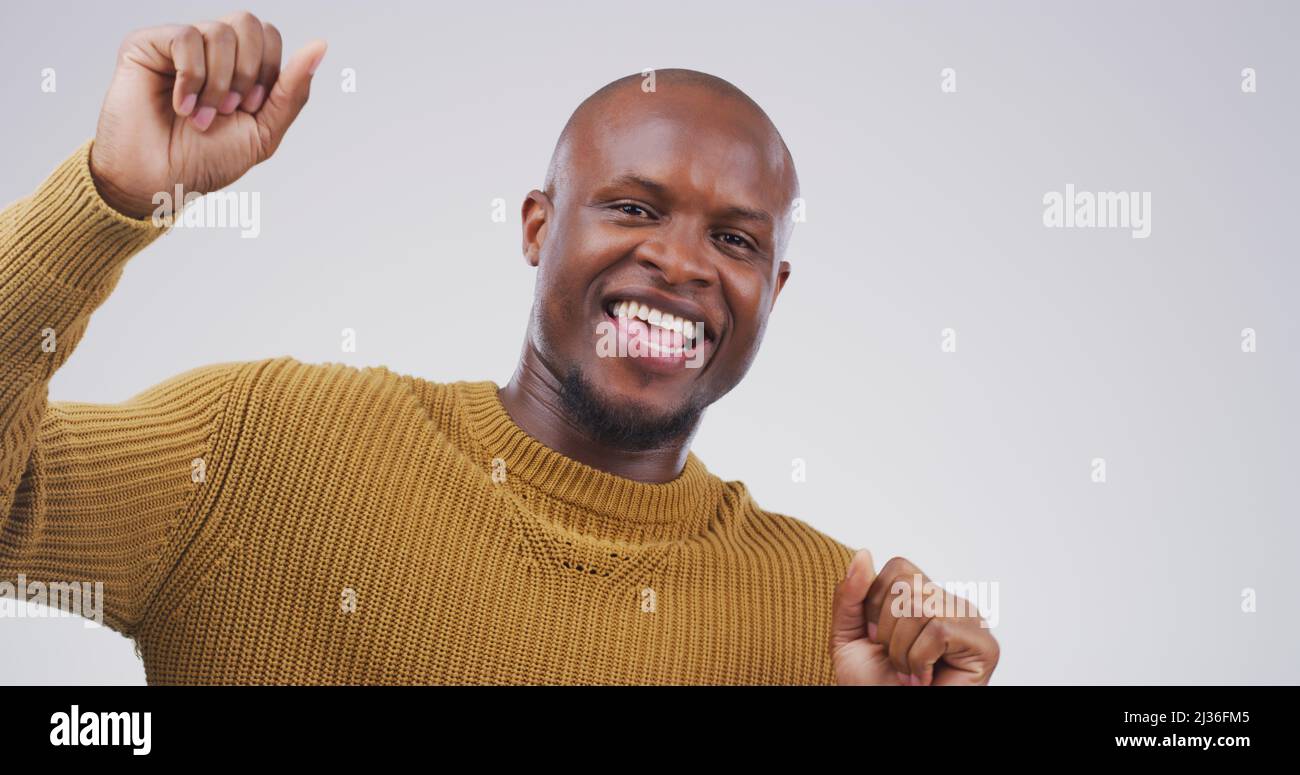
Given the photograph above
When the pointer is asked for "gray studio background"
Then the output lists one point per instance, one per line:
(924, 212)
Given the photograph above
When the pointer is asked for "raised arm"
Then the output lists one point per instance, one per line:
(98, 493)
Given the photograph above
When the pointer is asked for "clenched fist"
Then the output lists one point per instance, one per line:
(195, 105)
(898, 627)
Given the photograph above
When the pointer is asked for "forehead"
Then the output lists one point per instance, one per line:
(698, 144)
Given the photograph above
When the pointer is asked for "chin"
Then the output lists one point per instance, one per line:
(619, 387)
(620, 408)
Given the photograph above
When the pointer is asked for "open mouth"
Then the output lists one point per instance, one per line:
(658, 334)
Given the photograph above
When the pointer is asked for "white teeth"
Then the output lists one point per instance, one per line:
(655, 317)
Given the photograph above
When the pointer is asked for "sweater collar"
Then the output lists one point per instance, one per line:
(629, 509)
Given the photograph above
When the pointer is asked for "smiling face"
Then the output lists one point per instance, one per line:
(672, 205)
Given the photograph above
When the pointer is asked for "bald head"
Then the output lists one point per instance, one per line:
(619, 100)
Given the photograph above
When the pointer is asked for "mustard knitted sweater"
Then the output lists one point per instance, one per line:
(274, 521)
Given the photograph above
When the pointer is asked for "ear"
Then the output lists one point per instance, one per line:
(536, 213)
(782, 274)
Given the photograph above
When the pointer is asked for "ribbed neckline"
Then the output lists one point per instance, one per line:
(629, 509)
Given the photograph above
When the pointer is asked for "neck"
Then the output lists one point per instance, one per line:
(532, 399)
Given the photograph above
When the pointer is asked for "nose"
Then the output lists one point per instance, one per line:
(679, 254)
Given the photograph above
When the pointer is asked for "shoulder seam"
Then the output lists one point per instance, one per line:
(221, 428)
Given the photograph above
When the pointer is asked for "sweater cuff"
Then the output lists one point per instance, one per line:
(73, 234)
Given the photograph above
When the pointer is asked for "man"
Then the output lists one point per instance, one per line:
(279, 522)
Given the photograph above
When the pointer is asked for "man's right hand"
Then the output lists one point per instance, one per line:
(196, 105)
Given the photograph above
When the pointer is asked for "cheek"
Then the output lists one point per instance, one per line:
(600, 246)
(574, 255)
(746, 295)
(560, 280)
(564, 305)
(558, 313)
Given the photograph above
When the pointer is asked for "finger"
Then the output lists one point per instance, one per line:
(288, 95)
(248, 58)
(902, 615)
(928, 648)
(270, 69)
(901, 637)
(896, 604)
(219, 44)
(970, 653)
(897, 569)
(848, 622)
(186, 52)
(174, 50)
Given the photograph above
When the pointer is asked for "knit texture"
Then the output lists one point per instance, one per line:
(274, 521)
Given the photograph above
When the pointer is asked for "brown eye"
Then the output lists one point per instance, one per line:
(740, 241)
(625, 206)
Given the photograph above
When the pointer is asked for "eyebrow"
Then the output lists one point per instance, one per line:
(659, 189)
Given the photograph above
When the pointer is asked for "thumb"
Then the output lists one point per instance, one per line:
(848, 616)
(288, 95)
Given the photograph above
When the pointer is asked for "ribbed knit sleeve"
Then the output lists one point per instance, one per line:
(88, 493)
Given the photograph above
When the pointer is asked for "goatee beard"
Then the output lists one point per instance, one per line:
(627, 426)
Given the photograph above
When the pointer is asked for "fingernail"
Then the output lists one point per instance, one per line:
(254, 99)
(231, 102)
(902, 678)
(915, 680)
(187, 104)
(203, 118)
(312, 70)
(871, 630)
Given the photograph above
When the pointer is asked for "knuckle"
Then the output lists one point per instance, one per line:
(942, 628)
(244, 19)
(133, 40)
(893, 565)
(134, 37)
(223, 34)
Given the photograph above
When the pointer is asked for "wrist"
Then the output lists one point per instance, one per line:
(114, 196)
